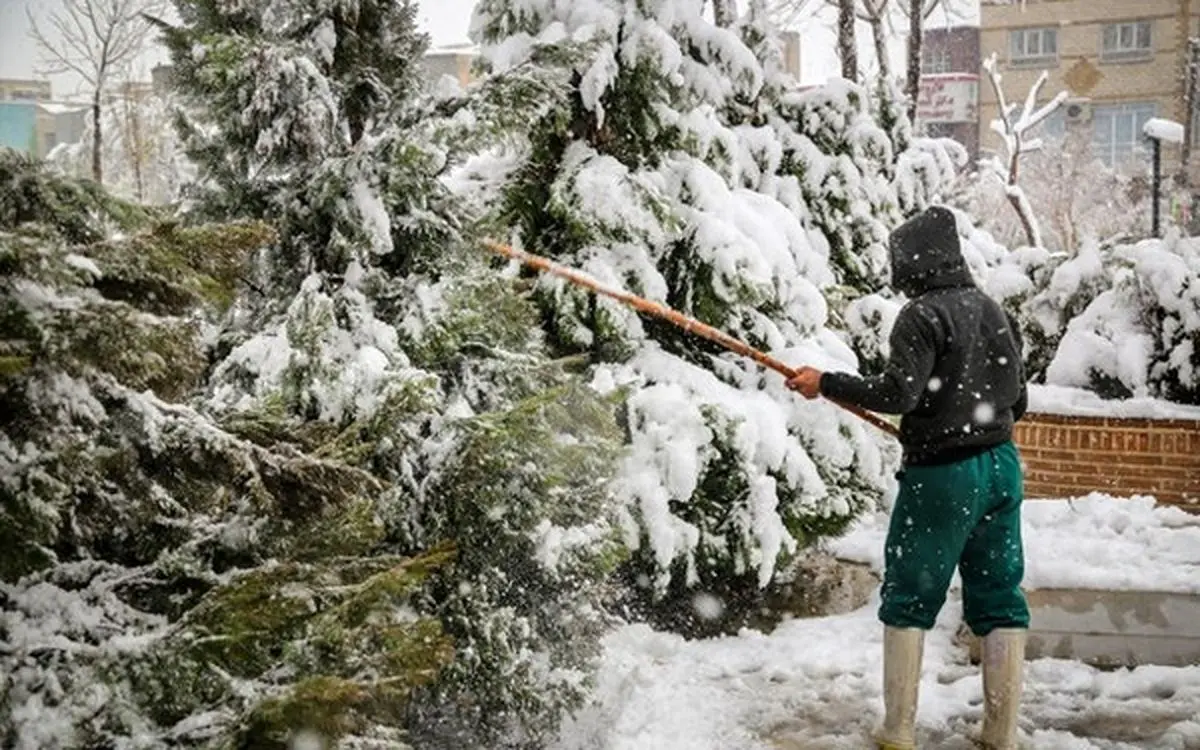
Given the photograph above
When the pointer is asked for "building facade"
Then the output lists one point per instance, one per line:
(25, 125)
(948, 104)
(1121, 62)
(789, 42)
(455, 60)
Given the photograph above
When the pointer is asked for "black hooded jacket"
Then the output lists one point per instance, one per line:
(955, 369)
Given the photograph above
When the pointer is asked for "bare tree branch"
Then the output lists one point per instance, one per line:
(93, 39)
(1014, 133)
(874, 13)
(929, 6)
(787, 14)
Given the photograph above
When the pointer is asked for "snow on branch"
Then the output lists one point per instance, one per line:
(1014, 130)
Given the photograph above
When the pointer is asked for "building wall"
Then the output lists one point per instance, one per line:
(948, 105)
(23, 90)
(1109, 94)
(960, 45)
(18, 126)
(791, 52)
(69, 125)
(23, 124)
(458, 64)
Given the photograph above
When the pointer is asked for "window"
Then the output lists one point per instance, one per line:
(1032, 46)
(1127, 41)
(24, 95)
(935, 60)
(1053, 128)
(1117, 138)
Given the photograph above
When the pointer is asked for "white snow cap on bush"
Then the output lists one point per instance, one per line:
(1122, 321)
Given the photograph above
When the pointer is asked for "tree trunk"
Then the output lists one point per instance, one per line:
(97, 169)
(879, 35)
(1032, 237)
(724, 12)
(913, 81)
(847, 46)
(1189, 109)
(139, 150)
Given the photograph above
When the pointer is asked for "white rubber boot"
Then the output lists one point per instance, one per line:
(902, 652)
(1003, 652)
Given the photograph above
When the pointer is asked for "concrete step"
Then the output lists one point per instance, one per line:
(1111, 629)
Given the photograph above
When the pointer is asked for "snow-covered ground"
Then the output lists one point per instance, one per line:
(815, 684)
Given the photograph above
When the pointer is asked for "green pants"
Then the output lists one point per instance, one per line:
(967, 514)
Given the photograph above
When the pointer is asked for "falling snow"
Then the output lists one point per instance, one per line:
(985, 413)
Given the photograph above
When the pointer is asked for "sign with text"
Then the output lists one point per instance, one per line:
(948, 97)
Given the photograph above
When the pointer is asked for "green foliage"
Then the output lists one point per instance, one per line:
(525, 495)
(86, 327)
(181, 570)
(381, 341)
(330, 626)
(838, 150)
(300, 144)
(79, 211)
(176, 268)
(127, 301)
(691, 172)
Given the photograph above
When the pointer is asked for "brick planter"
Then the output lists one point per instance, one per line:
(1070, 456)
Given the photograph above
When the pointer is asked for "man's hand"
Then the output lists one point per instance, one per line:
(807, 381)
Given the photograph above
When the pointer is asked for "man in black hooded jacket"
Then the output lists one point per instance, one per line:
(955, 373)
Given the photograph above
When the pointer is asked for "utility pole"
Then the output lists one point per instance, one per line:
(1158, 130)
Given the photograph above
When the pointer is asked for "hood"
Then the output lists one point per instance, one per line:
(926, 255)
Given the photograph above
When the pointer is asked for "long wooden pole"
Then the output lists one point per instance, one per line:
(685, 322)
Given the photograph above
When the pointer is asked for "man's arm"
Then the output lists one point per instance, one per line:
(914, 345)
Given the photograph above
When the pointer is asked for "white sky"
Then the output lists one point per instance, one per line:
(445, 20)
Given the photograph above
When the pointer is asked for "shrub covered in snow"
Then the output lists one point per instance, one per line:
(376, 335)
(1119, 320)
(684, 167)
(1139, 336)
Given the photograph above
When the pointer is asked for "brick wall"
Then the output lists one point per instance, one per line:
(1072, 456)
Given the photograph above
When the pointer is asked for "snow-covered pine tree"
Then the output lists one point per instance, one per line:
(375, 328)
(686, 169)
(139, 608)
